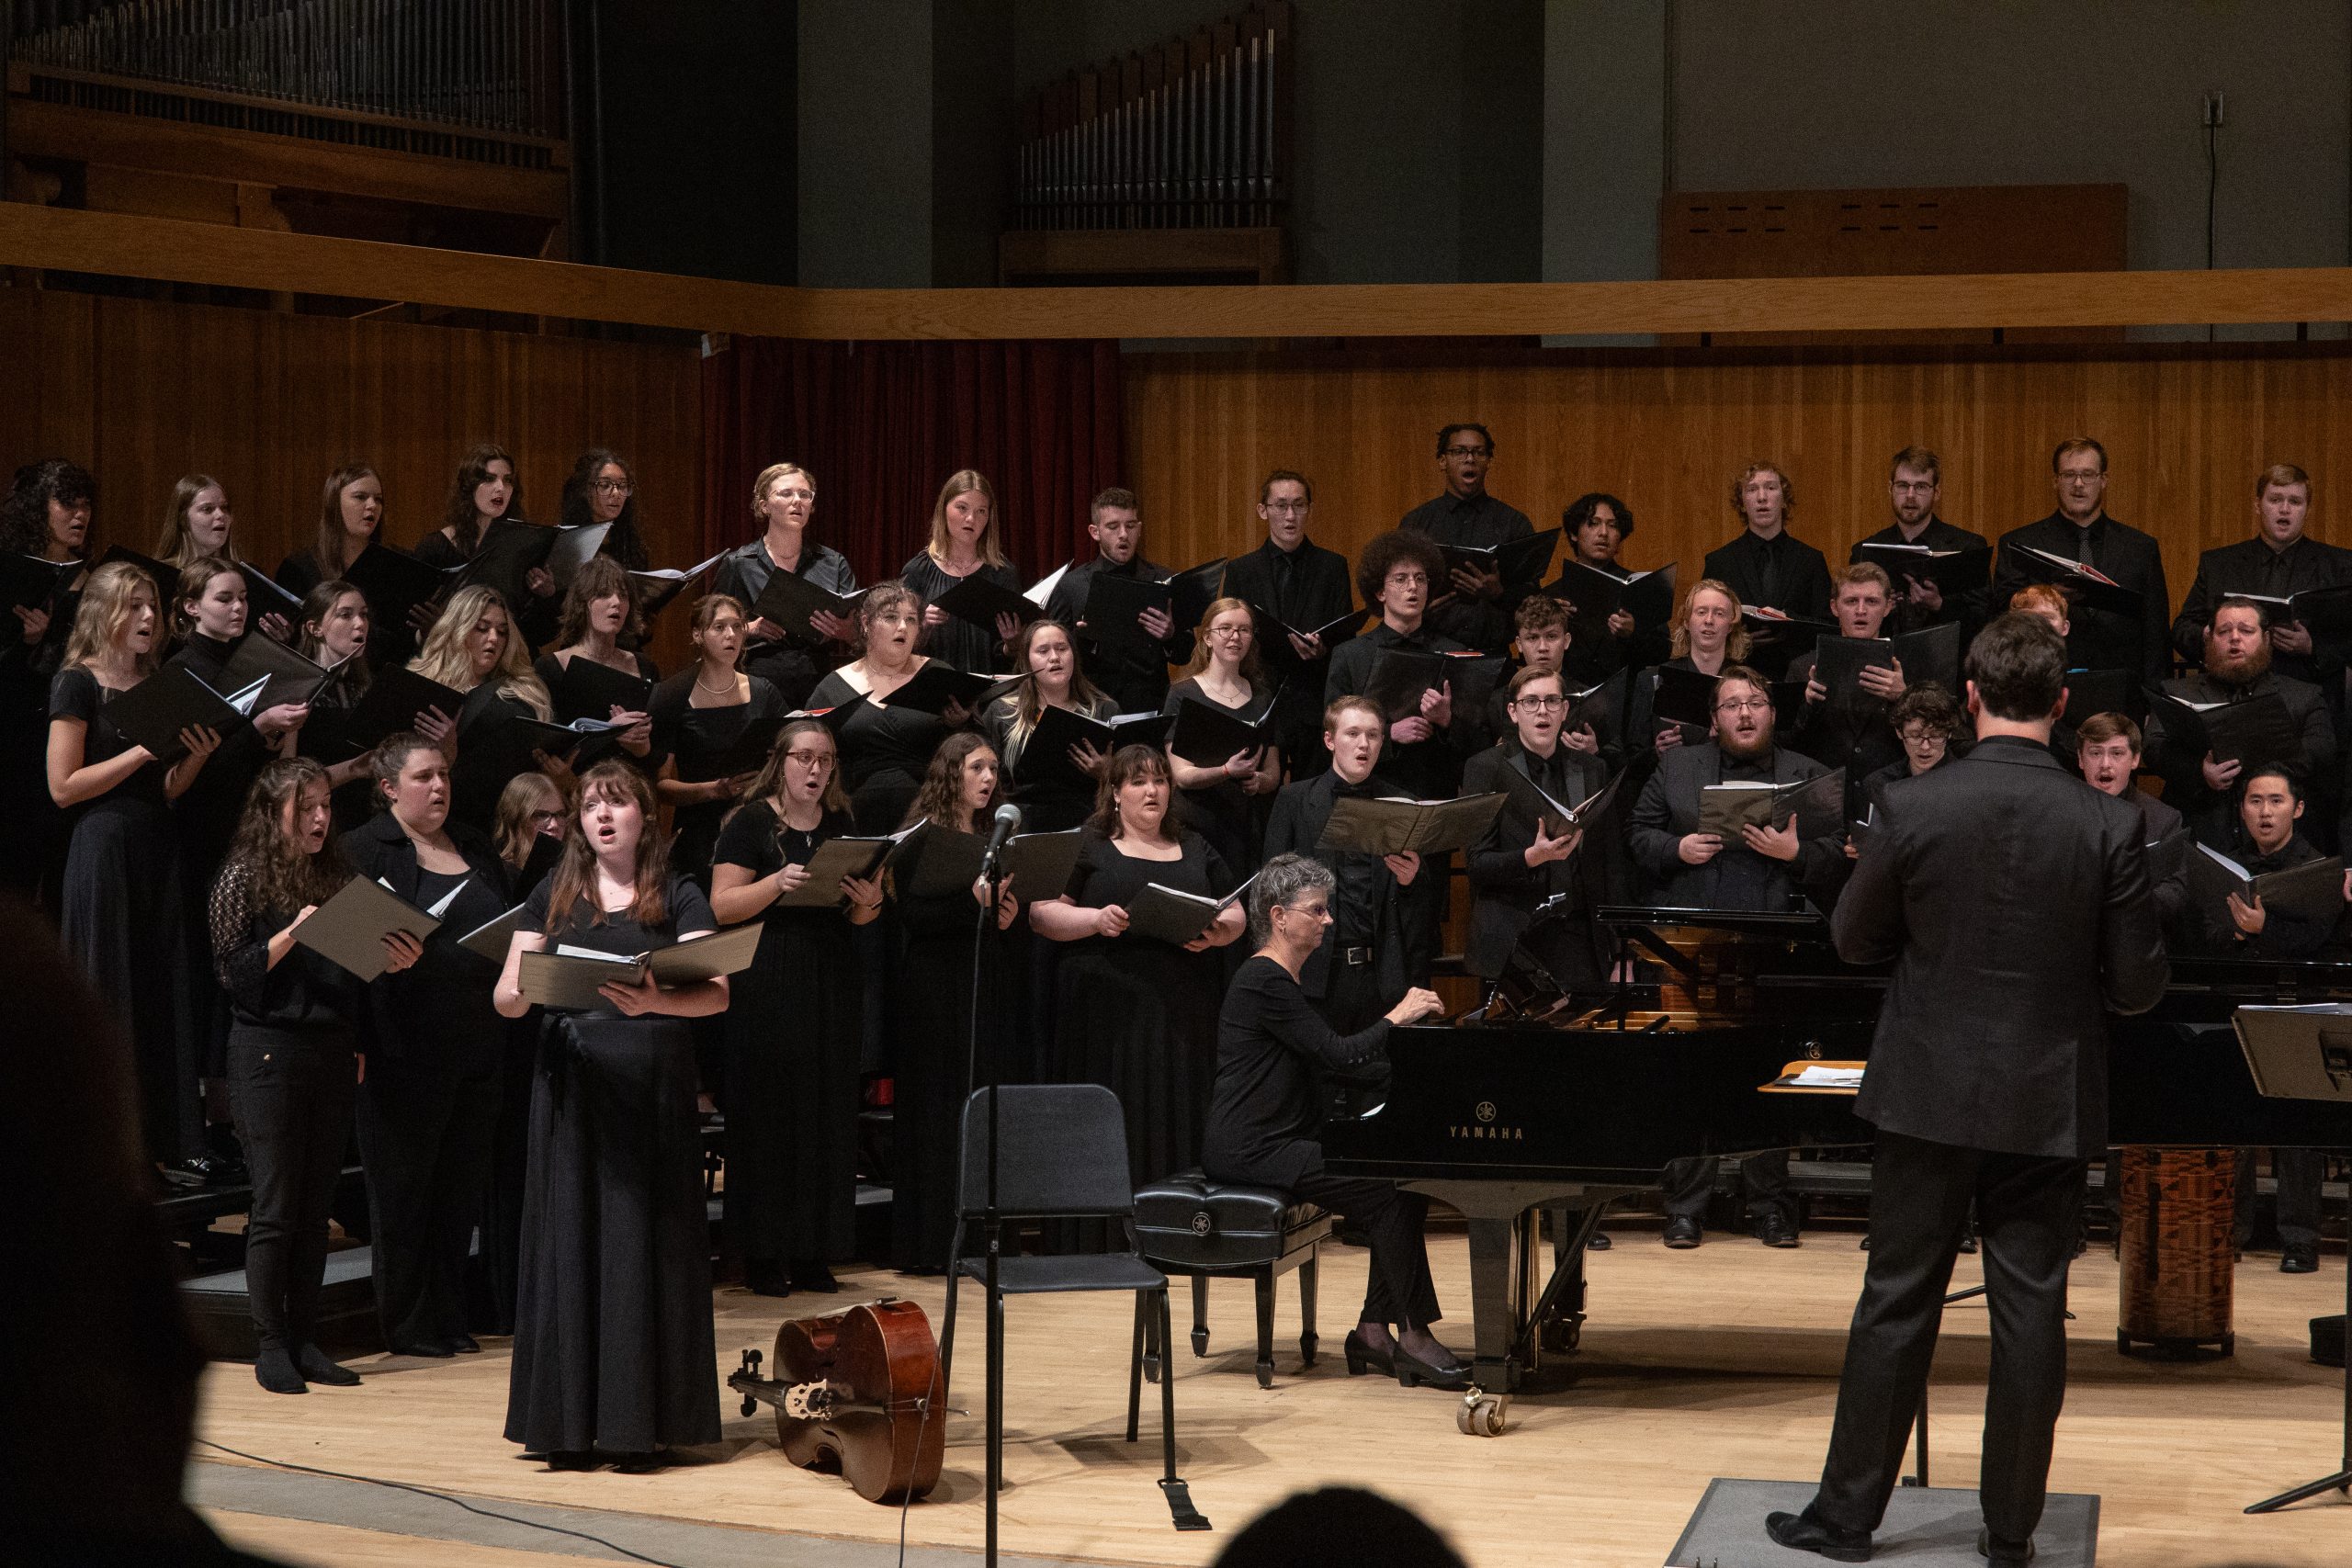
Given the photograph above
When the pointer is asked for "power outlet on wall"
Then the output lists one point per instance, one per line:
(2214, 108)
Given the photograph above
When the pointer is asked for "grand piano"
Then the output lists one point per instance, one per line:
(1533, 1106)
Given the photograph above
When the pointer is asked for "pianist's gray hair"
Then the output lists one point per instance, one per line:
(1286, 879)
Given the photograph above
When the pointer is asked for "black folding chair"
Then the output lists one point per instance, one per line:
(1063, 1155)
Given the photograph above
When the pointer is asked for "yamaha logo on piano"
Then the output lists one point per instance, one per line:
(1482, 1128)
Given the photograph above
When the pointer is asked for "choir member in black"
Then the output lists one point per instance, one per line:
(532, 826)
(614, 1356)
(1273, 1052)
(1544, 639)
(1594, 528)
(1225, 804)
(1769, 568)
(790, 659)
(1710, 637)
(1848, 729)
(1764, 871)
(1516, 869)
(943, 938)
(45, 515)
(293, 1056)
(1302, 585)
(430, 1101)
(1134, 670)
(2237, 669)
(484, 489)
(333, 626)
(351, 517)
(473, 649)
(2040, 599)
(1926, 720)
(1471, 606)
(701, 715)
(120, 909)
(1383, 931)
(533, 821)
(793, 1032)
(2279, 561)
(2080, 530)
(963, 542)
(886, 750)
(1052, 800)
(1133, 1013)
(601, 624)
(602, 488)
(1914, 485)
(2107, 751)
(1425, 749)
(197, 525)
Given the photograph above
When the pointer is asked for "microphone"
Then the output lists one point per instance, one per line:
(1006, 823)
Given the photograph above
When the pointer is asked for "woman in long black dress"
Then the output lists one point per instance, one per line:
(1228, 804)
(963, 544)
(485, 489)
(293, 1056)
(932, 1073)
(792, 1033)
(472, 648)
(1053, 798)
(431, 1098)
(713, 723)
(332, 628)
(533, 821)
(120, 912)
(601, 624)
(792, 659)
(45, 516)
(885, 750)
(1133, 1013)
(614, 1354)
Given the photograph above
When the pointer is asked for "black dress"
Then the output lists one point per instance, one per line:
(1231, 819)
(792, 1080)
(326, 738)
(490, 755)
(960, 642)
(707, 744)
(32, 829)
(885, 752)
(208, 812)
(613, 1347)
(1053, 799)
(119, 918)
(1137, 1015)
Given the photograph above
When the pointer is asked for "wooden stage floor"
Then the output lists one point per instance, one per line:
(1722, 1362)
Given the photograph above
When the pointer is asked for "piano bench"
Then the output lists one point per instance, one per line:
(1188, 1225)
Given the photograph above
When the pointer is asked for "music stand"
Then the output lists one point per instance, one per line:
(2305, 1053)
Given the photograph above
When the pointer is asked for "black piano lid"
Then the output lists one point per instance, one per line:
(1805, 922)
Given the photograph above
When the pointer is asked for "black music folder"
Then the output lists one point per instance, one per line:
(287, 676)
(566, 977)
(575, 545)
(348, 929)
(1039, 866)
(395, 582)
(1595, 705)
(851, 855)
(1817, 806)
(1954, 572)
(1556, 820)
(2325, 613)
(1931, 653)
(836, 717)
(165, 575)
(2256, 730)
(748, 753)
(32, 583)
(265, 597)
(152, 713)
(1114, 603)
(2105, 690)
(938, 683)
(491, 938)
(509, 551)
(657, 586)
(1393, 825)
(1208, 736)
(1516, 562)
(1166, 914)
(790, 598)
(393, 699)
(1685, 696)
(1059, 729)
(980, 600)
(1647, 596)
(1797, 632)
(1399, 676)
(2313, 891)
(590, 689)
(1274, 634)
(581, 744)
(2086, 583)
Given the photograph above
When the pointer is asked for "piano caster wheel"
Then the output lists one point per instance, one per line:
(1482, 1415)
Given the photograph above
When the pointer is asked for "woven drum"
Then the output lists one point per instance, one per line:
(2176, 1212)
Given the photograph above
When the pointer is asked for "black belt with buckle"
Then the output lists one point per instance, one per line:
(1354, 956)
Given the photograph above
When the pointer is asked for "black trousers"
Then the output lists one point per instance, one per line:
(291, 1093)
(2297, 1172)
(1763, 1181)
(2026, 1211)
(426, 1129)
(1400, 1291)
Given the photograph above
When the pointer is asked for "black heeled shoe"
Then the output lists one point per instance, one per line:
(1363, 1357)
(463, 1345)
(1414, 1373)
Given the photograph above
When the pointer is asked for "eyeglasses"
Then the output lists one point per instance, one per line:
(1540, 705)
(1465, 452)
(817, 760)
(1312, 911)
(1288, 506)
(1917, 737)
(2081, 476)
(895, 618)
(547, 819)
(1408, 580)
(1229, 631)
(614, 487)
(1745, 704)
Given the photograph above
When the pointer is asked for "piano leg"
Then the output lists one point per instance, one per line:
(1497, 1303)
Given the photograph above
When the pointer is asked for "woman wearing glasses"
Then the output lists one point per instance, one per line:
(602, 488)
(792, 1092)
(1226, 803)
(886, 750)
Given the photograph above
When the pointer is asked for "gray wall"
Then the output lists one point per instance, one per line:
(865, 144)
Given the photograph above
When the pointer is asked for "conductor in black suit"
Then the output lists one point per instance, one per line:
(1303, 586)
(2080, 530)
(2015, 904)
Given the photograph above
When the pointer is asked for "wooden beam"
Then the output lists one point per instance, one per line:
(121, 245)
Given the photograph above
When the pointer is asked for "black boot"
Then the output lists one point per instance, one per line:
(274, 1370)
(319, 1367)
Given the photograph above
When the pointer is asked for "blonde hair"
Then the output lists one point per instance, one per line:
(768, 476)
(443, 657)
(1251, 671)
(516, 833)
(108, 601)
(964, 481)
(1734, 645)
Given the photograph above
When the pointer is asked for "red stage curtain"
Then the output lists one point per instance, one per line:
(881, 425)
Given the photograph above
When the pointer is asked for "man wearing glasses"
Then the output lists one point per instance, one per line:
(1764, 869)
(1473, 607)
(1303, 586)
(1914, 485)
(2080, 530)
(1515, 868)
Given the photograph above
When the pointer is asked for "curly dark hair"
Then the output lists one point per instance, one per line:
(1930, 704)
(625, 543)
(1580, 512)
(1381, 555)
(24, 515)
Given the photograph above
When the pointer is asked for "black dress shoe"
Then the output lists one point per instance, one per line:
(2298, 1260)
(1414, 1373)
(647, 1464)
(1683, 1232)
(1801, 1532)
(1365, 1357)
(274, 1370)
(319, 1367)
(2001, 1554)
(463, 1344)
(572, 1459)
(1968, 1239)
(1772, 1230)
(436, 1349)
(814, 1275)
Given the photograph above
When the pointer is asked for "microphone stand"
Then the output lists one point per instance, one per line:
(991, 1222)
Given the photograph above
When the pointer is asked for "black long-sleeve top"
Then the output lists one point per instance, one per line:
(1266, 1106)
(1479, 521)
(2252, 566)
(303, 992)
(2282, 935)
(1135, 677)
(1971, 610)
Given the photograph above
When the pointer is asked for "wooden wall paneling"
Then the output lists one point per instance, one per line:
(47, 408)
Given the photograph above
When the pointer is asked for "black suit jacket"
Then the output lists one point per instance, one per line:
(1737, 877)
(2100, 640)
(1319, 590)
(1506, 889)
(2166, 838)
(2014, 902)
(1403, 950)
(2251, 566)
(2210, 811)
(1968, 609)
(1784, 574)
